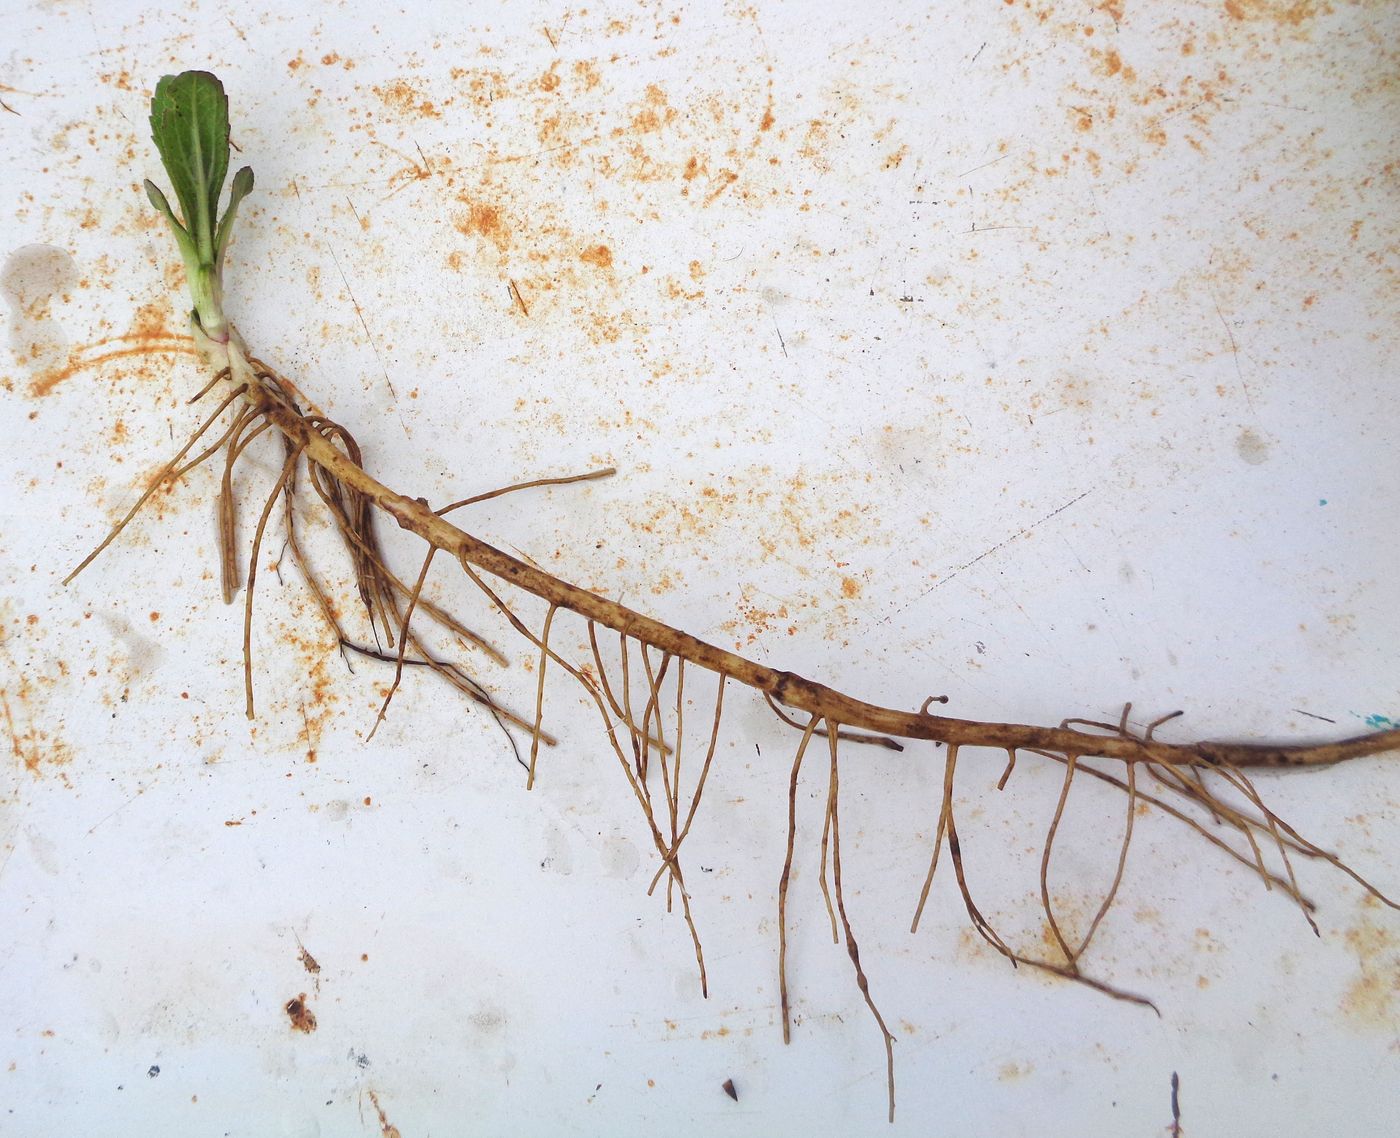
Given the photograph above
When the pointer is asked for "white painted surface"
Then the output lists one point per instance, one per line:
(1042, 357)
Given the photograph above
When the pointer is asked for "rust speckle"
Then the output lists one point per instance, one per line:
(484, 220)
(587, 73)
(892, 161)
(1292, 12)
(303, 1019)
(1373, 998)
(850, 588)
(149, 336)
(308, 962)
(34, 748)
(600, 256)
(402, 97)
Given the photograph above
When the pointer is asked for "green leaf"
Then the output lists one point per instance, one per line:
(189, 125)
(182, 236)
(241, 188)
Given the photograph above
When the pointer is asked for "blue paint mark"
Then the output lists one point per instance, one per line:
(1381, 722)
(1322, 501)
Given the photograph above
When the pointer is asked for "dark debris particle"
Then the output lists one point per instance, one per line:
(153, 1071)
(728, 1085)
(303, 1018)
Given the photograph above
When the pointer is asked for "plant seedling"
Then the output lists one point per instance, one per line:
(639, 686)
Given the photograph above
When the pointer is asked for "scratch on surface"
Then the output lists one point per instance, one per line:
(520, 300)
(104, 820)
(9, 849)
(363, 324)
(1007, 541)
(1234, 351)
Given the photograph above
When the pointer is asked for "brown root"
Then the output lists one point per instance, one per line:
(1205, 786)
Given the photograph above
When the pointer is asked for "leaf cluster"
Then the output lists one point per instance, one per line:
(190, 127)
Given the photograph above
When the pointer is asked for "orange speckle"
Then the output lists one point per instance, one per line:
(599, 256)
(484, 220)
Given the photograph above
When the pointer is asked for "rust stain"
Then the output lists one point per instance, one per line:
(723, 180)
(403, 98)
(318, 703)
(599, 256)
(302, 1018)
(162, 343)
(893, 161)
(1373, 998)
(1292, 12)
(35, 748)
(484, 220)
(308, 961)
(386, 1128)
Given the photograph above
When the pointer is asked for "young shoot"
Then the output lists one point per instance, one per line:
(190, 127)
